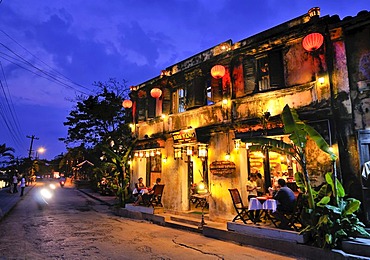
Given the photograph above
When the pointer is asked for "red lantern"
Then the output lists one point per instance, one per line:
(313, 41)
(218, 71)
(127, 103)
(156, 92)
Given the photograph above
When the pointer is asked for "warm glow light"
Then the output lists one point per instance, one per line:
(177, 153)
(218, 71)
(127, 103)
(41, 150)
(227, 157)
(313, 41)
(189, 150)
(141, 154)
(225, 101)
(164, 160)
(136, 154)
(321, 80)
(202, 150)
(237, 143)
(163, 116)
(152, 153)
(129, 162)
(156, 92)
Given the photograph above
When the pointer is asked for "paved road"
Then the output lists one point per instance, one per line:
(75, 226)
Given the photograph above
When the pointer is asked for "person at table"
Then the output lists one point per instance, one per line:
(140, 188)
(286, 200)
(260, 185)
(144, 195)
(252, 187)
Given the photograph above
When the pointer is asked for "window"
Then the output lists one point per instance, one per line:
(179, 100)
(181, 95)
(263, 73)
(209, 96)
(270, 71)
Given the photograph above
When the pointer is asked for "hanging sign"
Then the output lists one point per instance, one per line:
(184, 137)
(222, 168)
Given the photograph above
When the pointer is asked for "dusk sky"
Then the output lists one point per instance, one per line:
(51, 51)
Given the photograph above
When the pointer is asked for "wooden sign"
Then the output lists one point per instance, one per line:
(222, 168)
(184, 136)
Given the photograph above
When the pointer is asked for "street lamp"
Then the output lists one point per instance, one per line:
(40, 150)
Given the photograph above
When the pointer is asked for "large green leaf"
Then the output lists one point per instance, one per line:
(340, 190)
(320, 141)
(352, 206)
(294, 126)
(324, 201)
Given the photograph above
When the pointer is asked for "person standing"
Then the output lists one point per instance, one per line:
(260, 185)
(23, 185)
(15, 183)
(252, 187)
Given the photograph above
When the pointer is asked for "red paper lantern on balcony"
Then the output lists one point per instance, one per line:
(156, 92)
(218, 71)
(127, 103)
(313, 41)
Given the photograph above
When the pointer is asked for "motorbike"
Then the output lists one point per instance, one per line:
(45, 195)
(62, 182)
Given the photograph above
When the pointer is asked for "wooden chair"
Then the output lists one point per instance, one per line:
(155, 197)
(241, 210)
(293, 219)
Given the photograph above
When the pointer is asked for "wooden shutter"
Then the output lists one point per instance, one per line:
(249, 75)
(276, 69)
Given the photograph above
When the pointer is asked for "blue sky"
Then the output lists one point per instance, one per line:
(52, 50)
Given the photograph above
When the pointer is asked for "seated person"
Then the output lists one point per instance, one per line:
(146, 194)
(140, 186)
(286, 200)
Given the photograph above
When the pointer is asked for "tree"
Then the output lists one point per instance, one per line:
(98, 118)
(6, 152)
(99, 122)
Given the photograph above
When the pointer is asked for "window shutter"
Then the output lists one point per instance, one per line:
(276, 69)
(166, 95)
(151, 107)
(195, 94)
(216, 89)
(249, 75)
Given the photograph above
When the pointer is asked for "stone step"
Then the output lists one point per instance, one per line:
(183, 226)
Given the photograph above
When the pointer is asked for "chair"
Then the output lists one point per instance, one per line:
(154, 198)
(292, 219)
(295, 217)
(241, 210)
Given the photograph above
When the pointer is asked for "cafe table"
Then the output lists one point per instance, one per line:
(268, 205)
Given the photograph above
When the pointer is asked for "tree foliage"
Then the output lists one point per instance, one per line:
(98, 118)
(6, 152)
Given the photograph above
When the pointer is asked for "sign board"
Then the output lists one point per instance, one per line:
(222, 168)
(184, 137)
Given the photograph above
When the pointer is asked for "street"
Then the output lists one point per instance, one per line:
(75, 226)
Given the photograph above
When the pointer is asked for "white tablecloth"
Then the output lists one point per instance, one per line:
(270, 204)
(254, 204)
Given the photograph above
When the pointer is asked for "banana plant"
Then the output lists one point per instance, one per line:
(120, 162)
(298, 133)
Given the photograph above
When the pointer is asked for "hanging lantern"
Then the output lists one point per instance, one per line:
(156, 92)
(127, 103)
(218, 71)
(313, 41)
(202, 151)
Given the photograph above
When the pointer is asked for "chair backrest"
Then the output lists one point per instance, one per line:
(237, 199)
(158, 189)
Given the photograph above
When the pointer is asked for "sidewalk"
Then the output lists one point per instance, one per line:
(287, 242)
(9, 200)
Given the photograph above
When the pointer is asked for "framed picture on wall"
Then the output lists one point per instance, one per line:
(155, 163)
